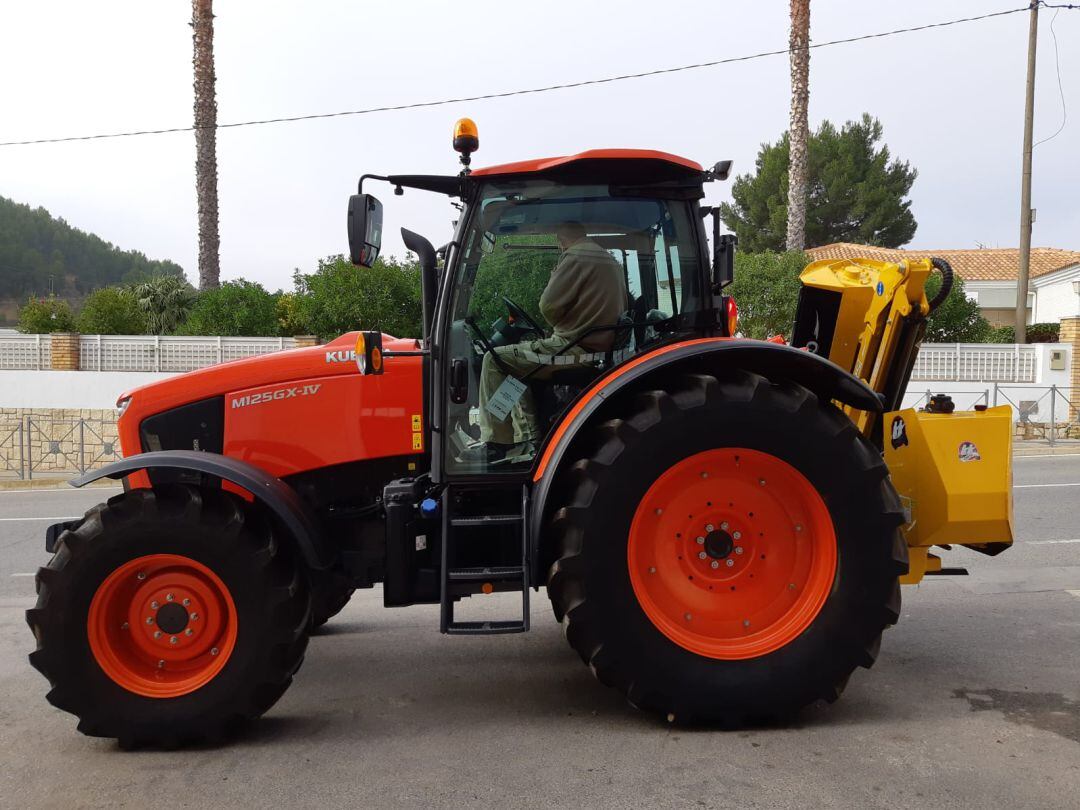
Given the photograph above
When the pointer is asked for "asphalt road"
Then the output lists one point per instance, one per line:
(974, 701)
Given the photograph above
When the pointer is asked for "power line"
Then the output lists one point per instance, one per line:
(1061, 90)
(529, 91)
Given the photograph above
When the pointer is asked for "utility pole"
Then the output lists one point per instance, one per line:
(799, 129)
(1025, 182)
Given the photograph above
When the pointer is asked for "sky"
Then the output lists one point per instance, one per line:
(951, 102)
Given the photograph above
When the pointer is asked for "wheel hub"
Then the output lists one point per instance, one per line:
(172, 618)
(719, 544)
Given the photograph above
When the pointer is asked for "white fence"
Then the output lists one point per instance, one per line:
(138, 352)
(142, 353)
(975, 362)
(19, 352)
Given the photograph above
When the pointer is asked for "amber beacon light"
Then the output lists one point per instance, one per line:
(466, 139)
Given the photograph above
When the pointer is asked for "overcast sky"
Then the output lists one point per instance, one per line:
(951, 102)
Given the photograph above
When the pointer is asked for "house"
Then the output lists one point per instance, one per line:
(990, 275)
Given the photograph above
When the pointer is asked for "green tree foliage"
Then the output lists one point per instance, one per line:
(40, 316)
(958, 319)
(111, 311)
(339, 297)
(289, 317)
(165, 301)
(235, 308)
(520, 275)
(766, 290)
(39, 253)
(857, 193)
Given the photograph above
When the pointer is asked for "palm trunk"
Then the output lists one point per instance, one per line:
(202, 24)
(798, 42)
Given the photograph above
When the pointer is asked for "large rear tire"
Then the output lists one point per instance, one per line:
(169, 616)
(330, 592)
(727, 551)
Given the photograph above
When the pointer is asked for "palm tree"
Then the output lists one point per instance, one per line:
(798, 132)
(202, 24)
(164, 301)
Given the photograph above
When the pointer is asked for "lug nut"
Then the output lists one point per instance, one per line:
(702, 555)
(791, 586)
(186, 601)
(659, 511)
(188, 632)
(172, 639)
(213, 650)
(161, 664)
(652, 569)
(737, 535)
(715, 563)
(704, 475)
(141, 575)
(738, 549)
(689, 617)
(124, 626)
(701, 541)
(169, 597)
(157, 634)
(194, 617)
(746, 623)
(724, 525)
(709, 527)
(798, 527)
(730, 562)
(761, 481)
(154, 604)
(149, 619)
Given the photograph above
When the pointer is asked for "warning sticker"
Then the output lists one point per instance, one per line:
(417, 441)
(416, 423)
(506, 396)
(969, 452)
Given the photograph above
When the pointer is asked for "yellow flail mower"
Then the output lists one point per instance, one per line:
(952, 469)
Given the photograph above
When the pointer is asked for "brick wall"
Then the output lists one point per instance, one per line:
(1070, 334)
(65, 351)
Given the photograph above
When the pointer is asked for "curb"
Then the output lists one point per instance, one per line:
(16, 484)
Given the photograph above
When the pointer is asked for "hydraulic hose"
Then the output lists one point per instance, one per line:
(946, 282)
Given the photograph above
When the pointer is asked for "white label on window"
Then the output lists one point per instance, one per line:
(421, 542)
(505, 397)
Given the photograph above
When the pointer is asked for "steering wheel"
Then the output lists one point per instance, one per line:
(519, 316)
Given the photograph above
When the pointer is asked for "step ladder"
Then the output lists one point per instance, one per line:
(455, 527)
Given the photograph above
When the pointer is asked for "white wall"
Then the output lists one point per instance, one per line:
(1056, 299)
(69, 389)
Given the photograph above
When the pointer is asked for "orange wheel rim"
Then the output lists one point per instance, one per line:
(162, 625)
(732, 553)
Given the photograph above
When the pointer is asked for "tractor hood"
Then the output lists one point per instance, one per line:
(278, 399)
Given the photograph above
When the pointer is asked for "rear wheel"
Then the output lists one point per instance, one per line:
(169, 616)
(330, 592)
(728, 551)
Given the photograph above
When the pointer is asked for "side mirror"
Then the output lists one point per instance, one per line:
(365, 229)
(723, 255)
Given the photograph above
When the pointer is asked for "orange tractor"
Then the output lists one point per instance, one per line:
(713, 517)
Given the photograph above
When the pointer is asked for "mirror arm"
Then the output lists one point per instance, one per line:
(363, 177)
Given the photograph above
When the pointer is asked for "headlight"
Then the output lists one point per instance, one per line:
(122, 404)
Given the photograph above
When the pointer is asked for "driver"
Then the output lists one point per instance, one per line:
(587, 288)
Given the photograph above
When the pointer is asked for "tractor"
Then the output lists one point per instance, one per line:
(722, 524)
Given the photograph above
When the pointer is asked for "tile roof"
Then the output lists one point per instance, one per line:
(984, 264)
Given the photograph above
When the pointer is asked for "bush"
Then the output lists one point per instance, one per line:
(289, 317)
(1043, 333)
(111, 311)
(165, 301)
(236, 308)
(340, 297)
(958, 319)
(1001, 334)
(766, 290)
(42, 316)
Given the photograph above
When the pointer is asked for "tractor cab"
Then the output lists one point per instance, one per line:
(559, 271)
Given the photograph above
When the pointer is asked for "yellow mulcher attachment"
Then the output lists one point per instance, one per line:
(953, 469)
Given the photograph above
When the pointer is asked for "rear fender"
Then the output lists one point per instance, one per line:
(277, 497)
(775, 361)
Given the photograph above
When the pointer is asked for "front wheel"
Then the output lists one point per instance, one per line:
(169, 616)
(728, 551)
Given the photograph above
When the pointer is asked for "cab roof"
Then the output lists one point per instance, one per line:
(591, 156)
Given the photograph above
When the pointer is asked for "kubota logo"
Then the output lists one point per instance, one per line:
(341, 356)
(277, 393)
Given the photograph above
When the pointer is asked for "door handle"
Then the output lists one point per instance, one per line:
(459, 380)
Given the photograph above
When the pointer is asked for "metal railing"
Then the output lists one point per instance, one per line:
(40, 445)
(1050, 412)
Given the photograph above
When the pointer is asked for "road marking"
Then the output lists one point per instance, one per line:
(1040, 486)
(24, 519)
(1046, 456)
(24, 574)
(1050, 542)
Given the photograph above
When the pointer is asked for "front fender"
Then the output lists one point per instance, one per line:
(276, 496)
(775, 361)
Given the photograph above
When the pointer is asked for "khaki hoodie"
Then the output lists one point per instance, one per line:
(587, 288)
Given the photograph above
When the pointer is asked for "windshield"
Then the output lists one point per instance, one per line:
(556, 285)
